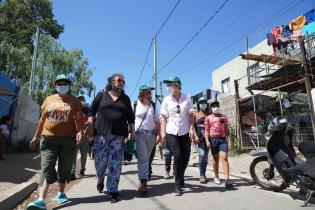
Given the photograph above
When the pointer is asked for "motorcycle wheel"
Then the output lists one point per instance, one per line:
(268, 178)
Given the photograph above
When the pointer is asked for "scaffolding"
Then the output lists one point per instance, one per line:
(286, 75)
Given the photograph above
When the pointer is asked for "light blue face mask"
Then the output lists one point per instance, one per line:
(62, 89)
(203, 106)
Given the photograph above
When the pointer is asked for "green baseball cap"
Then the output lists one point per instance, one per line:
(201, 99)
(62, 77)
(145, 87)
(173, 79)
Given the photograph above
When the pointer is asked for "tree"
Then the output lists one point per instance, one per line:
(18, 22)
(52, 60)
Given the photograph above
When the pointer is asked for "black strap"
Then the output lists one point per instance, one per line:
(144, 116)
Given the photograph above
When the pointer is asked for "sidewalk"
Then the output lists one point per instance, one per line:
(19, 174)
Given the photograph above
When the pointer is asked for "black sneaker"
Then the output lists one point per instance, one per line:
(115, 197)
(82, 174)
(228, 184)
(182, 183)
(100, 187)
(178, 191)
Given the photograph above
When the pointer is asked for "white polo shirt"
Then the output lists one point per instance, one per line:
(177, 123)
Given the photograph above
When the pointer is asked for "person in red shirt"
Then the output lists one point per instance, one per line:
(216, 127)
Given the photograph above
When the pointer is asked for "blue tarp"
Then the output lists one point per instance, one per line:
(7, 103)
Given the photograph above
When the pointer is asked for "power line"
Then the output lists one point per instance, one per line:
(140, 75)
(196, 34)
(279, 12)
(168, 17)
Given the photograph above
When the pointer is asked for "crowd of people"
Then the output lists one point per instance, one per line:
(67, 126)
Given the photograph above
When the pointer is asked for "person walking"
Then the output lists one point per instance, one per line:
(177, 128)
(203, 150)
(114, 116)
(147, 127)
(84, 146)
(59, 130)
(4, 134)
(218, 139)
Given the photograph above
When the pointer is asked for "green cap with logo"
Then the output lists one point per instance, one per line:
(145, 87)
(173, 79)
(62, 77)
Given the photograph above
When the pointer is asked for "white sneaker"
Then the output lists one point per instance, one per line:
(216, 180)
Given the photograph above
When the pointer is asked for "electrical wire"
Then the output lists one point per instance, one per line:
(140, 75)
(168, 17)
(195, 35)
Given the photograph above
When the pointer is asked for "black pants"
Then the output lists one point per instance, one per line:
(180, 148)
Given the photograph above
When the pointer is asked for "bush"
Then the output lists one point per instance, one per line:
(235, 151)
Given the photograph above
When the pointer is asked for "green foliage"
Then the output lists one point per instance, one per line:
(18, 22)
(235, 149)
(52, 60)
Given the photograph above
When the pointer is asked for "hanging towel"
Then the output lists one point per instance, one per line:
(270, 39)
(308, 29)
(276, 32)
(296, 34)
(298, 22)
(310, 16)
(286, 31)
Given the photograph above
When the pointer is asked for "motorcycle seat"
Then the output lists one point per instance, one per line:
(307, 148)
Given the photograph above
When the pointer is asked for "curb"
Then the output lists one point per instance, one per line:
(17, 195)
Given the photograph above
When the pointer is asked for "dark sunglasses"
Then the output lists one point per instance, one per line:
(178, 109)
(120, 81)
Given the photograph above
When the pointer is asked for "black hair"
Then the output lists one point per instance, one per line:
(110, 79)
(5, 119)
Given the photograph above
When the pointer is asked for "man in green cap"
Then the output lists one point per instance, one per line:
(177, 128)
(147, 128)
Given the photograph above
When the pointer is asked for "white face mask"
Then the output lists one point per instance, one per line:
(170, 90)
(203, 106)
(216, 110)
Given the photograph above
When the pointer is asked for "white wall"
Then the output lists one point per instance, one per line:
(237, 68)
(25, 118)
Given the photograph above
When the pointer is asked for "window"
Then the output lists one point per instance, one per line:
(225, 85)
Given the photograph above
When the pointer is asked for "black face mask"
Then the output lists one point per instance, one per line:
(118, 90)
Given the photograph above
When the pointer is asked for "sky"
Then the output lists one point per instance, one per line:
(115, 35)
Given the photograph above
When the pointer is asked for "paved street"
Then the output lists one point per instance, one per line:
(196, 196)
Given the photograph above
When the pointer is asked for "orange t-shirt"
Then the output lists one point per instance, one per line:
(60, 119)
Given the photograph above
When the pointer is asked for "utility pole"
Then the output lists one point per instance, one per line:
(34, 61)
(155, 70)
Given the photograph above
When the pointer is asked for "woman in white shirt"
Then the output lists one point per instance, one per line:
(177, 127)
(147, 130)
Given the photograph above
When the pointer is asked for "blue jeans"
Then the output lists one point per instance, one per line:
(203, 152)
(167, 157)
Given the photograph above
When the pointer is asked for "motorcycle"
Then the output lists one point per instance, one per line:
(279, 164)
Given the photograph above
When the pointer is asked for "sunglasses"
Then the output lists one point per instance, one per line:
(120, 80)
(178, 109)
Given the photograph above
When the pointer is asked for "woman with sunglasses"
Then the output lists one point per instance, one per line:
(147, 126)
(114, 117)
(58, 132)
(177, 128)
